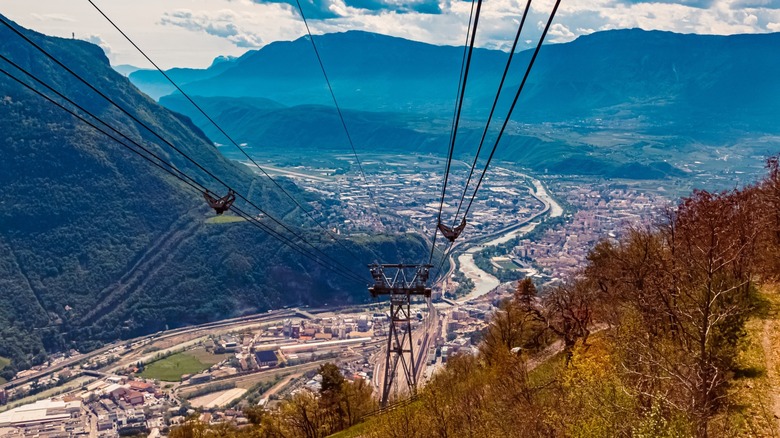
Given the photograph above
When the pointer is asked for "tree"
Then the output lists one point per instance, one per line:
(519, 323)
(343, 403)
(302, 416)
(356, 401)
(678, 296)
(569, 313)
(525, 293)
(254, 414)
(332, 380)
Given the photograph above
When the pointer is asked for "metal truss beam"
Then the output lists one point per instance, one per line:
(401, 282)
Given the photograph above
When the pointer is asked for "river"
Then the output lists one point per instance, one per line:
(485, 282)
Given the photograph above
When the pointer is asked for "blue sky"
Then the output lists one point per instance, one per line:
(190, 33)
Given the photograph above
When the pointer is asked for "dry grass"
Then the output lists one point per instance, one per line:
(756, 383)
(224, 219)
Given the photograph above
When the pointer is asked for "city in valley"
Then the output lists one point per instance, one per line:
(521, 225)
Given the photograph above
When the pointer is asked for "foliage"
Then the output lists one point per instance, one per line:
(4, 362)
(465, 284)
(483, 260)
(339, 404)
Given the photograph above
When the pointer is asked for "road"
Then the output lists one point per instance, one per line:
(157, 336)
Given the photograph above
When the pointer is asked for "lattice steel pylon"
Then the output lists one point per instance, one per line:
(404, 282)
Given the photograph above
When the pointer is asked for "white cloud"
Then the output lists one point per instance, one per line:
(183, 35)
(53, 17)
(560, 33)
(99, 41)
(219, 23)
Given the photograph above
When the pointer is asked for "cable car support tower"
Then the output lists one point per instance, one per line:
(401, 282)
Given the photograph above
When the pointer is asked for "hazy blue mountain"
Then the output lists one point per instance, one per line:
(96, 244)
(368, 72)
(153, 83)
(125, 69)
(668, 77)
(618, 103)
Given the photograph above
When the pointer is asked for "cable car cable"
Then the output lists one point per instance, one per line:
(511, 108)
(221, 130)
(492, 109)
(514, 103)
(338, 110)
(190, 181)
(457, 122)
(155, 133)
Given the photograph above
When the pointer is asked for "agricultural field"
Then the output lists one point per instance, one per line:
(171, 368)
(217, 399)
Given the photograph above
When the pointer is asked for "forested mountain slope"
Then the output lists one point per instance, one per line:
(96, 244)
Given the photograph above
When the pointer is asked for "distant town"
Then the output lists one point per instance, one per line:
(407, 190)
(536, 226)
(151, 384)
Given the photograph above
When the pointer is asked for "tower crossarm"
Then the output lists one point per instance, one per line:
(402, 279)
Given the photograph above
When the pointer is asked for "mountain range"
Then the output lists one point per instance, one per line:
(609, 103)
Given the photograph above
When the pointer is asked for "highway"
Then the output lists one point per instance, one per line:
(259, 317)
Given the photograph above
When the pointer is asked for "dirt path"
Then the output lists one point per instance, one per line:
(276, 388)
(770, 339)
